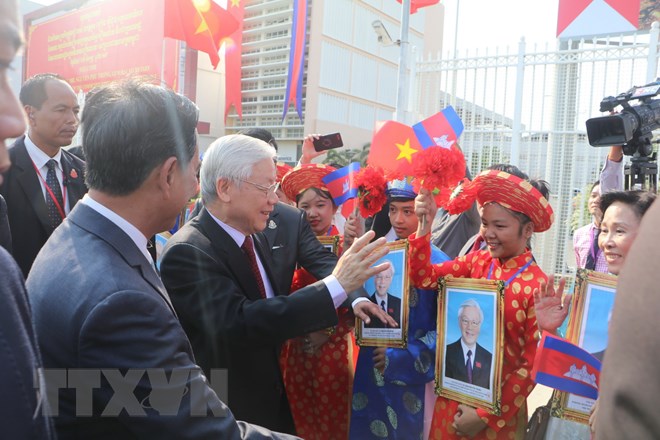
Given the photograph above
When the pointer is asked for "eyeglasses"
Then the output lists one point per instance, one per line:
(267, 190)
(467, 322)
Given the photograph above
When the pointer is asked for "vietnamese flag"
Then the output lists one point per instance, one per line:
(202, 24)
(564, 366)
(416, 4)
(233, 53)
(393, 147)
(341, 183)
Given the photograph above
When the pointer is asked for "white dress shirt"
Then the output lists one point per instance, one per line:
(40, 159)
(134, 233)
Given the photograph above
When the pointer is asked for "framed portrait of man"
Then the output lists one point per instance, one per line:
(389, 290)
(591, 310)
(331, 243)
(470, 341)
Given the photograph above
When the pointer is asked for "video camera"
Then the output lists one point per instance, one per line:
(633, 127)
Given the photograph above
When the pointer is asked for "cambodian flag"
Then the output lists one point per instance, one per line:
(340, 183)
(294, 83)
(564, 366)
(442, 129)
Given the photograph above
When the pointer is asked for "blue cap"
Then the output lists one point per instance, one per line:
(401, 189)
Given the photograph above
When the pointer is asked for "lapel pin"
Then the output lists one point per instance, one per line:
(73, 174)
(272, 225)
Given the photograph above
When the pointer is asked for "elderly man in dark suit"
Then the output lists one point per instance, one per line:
(141, 148)
(219, 272)
(46, 181)
(465, 359)
(382, 297)
(21, 407)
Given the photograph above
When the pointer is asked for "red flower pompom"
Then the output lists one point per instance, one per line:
(438, 167)
(371, 185)
(461, 198)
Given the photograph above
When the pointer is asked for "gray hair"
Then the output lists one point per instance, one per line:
(471, 303)
(232, 158)
(391, 268)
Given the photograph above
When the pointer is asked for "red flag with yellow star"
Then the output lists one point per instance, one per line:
(393, 147)
(202, 24)
(233, 51)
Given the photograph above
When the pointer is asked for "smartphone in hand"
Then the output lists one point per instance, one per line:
(328, 142)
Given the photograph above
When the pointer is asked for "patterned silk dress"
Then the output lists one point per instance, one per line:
(391, 405)
(520, 333)
(319, 385)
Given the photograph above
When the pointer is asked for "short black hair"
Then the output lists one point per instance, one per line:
(260, 133)
(33, 92)
(130, 128)
(639, 201)
(511, 169)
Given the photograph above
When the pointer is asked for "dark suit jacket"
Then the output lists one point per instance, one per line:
(5, 231)
(291, 241)
(28, 215)
(98, 303)
(455, 364)
(393, 309)
(19, 359)
(229, 325)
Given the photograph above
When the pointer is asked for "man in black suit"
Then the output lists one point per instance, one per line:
(465, 360)
(116, 316)
(46, 181)
(218, 269)
(384, 299)
(21, 408)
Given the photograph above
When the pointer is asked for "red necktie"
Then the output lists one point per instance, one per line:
(248, 248)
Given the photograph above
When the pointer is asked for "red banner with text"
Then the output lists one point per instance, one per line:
(104, 42)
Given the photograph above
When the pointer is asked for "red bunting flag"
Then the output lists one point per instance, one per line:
(416, 4)
(233, 52)
(294, 82)
(202, 24)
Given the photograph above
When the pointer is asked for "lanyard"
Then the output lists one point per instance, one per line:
(59, 207)
(506, 283)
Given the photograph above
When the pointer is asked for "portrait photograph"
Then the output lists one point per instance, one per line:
(470, 338)
(330, 242)
(587, 327)
(388, 290)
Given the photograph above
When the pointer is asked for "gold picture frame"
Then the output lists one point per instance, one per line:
(451, 376)
(330, 242)
(375, 334)
(587, 327)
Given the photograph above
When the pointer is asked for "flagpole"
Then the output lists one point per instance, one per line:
(402, 86)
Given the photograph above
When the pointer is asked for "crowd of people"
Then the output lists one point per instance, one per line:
(247, 327)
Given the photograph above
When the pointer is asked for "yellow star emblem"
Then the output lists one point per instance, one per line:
(202, 7)
(405, 151)
(235, 3)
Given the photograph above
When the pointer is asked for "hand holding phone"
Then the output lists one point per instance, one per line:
(328, 142)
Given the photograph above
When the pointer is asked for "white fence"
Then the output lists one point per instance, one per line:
(529, 107)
